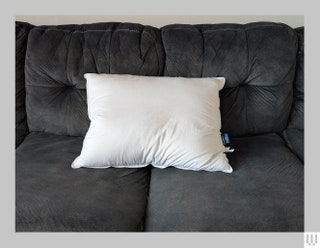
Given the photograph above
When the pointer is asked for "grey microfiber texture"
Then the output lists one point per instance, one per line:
(257, 60)
(56, 95)
(262, 108)
(258, 91)
(52, 197)
(263, 194)
(22, 31)
(294, 134)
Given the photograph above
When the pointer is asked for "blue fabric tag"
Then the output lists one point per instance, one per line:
(225, 139)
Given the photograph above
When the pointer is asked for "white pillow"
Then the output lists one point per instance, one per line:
(163, 121)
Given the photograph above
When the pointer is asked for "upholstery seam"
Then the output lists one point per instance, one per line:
(158, 58)
(46, 86)
(224, 29)
(67, 59)
(145, 217)
(94, 30)
(109, 51)
(203, 50)
(248, 56)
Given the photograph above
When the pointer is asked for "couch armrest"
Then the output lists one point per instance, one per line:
(294, 133)
(22, 31)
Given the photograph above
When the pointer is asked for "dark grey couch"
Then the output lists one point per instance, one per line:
(262, 108)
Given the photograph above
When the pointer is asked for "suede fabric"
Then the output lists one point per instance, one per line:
(263, 194)
(295, 141)
(258, 91)
(22, 31)
(263, 64)
(52, 197)
(56, 94)
(258, 61)
(294, 134)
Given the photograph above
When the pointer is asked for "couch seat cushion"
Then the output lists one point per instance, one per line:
(265, 192)
(51, 196)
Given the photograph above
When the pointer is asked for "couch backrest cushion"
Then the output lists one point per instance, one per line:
(58, 57)
(257, 60)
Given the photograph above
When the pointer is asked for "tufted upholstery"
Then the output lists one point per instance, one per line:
(262, 99)
(258, 91)
(56, 96)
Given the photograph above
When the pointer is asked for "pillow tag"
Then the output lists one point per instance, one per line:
(225, 139)
(229, 149)
(226, 142)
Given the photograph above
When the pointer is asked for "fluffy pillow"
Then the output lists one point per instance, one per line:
(163, 121)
